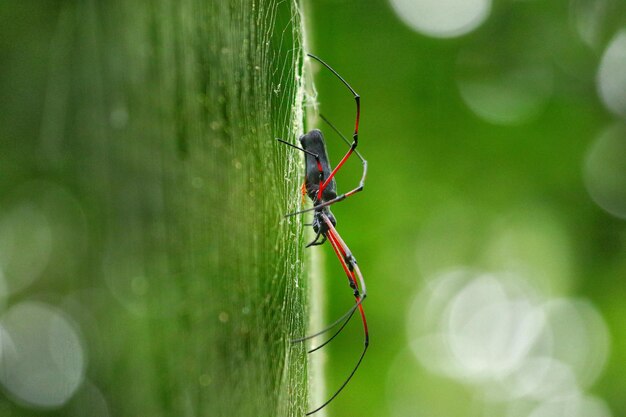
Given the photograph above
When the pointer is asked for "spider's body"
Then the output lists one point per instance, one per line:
(313, 142)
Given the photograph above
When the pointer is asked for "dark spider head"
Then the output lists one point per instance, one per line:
(313, 141)
(319, 225)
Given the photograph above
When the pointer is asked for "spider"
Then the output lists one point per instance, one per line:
(321, 188)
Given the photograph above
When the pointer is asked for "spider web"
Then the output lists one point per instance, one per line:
(160, 117)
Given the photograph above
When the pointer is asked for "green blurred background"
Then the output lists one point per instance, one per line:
(491, 230)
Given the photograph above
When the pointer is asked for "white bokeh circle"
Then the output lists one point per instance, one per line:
(442, 18)
(43, 360)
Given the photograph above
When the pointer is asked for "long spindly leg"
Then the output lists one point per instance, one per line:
(319, 168)
(355, 141)
(328, 202)
(314, 155)
(355, 135)
(349, 193)
(341, 249)
(350, 274)
(328, 328)
(315, 241)
(349, 258)
(330, 339)
(342, 196)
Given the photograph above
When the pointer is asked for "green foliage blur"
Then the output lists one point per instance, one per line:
(491, 231)
(460, 176)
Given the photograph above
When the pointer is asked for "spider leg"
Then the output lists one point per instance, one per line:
(330, 339)
(350, 264)
(341, 255)
(331, 326)
(355, 135)
(315, 242)
(319, 168)
(349, 193)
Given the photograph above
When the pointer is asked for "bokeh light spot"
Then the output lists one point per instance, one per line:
(605, 170)
(504, 93)
(541, 377)
(612, 75)
(579, 320)
(442, 18)
(43, 364)
(588, 19)
(25, 245)
(496, 333)
(574, 405)
(489, 330)
(43, 234)
(474, 326)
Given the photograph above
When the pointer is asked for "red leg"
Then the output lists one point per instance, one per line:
(355, 136)
(351, 268)
(341, 255)
(349, 193)
(319, 168)
(350, 274)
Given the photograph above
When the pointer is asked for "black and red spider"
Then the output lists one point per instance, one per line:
(321, 188)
